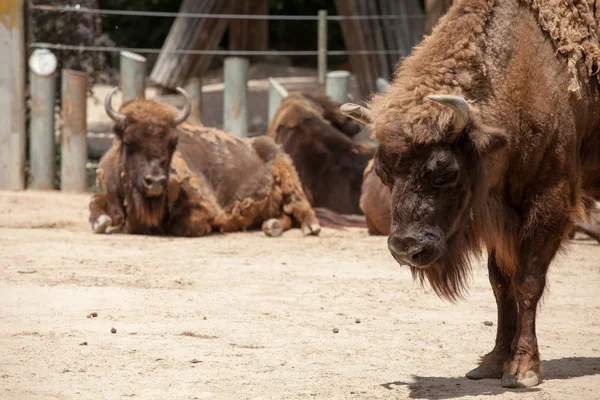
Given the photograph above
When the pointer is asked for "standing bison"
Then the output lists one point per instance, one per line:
(163, 175)
(490, 136)
(319, 139)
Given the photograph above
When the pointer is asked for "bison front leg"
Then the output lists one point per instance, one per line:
(276, 226)
(295, 204)
(522, 369)
(105, 211)
(492, 364)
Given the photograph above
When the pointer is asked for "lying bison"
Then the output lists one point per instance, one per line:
(318, 138)
(163, 175)
(490, 135)
(375, 203)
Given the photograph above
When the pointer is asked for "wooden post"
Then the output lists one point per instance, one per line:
(133, 76)
(12, 95)
(74, 136)
(235, 94)
(42, 148)
(338, 85)
(194, 90)
(322, 45)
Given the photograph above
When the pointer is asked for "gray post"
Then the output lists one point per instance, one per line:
(194, 90)
(12, 95)
(338, 85)
(381, 84)
(235, 113)
(74, 136)
(133, 75)
(276, 95)
(42, 81)
(322, 45)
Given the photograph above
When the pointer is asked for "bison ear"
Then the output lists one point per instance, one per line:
(487, 140)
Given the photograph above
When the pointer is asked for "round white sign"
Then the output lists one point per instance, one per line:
(43, 62)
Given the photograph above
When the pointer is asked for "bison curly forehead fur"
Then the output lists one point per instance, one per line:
(431, 69)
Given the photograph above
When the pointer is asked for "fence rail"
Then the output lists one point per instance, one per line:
(60, 46)
(222, 16)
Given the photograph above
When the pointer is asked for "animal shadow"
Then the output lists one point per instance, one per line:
(438, 388)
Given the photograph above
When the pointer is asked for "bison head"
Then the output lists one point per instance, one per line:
(434, 166)
(147, 131)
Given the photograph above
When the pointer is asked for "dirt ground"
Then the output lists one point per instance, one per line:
(243, 316)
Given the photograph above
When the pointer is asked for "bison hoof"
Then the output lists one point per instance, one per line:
(312, 228)
(529, 379)
(101, 224)
(484, 372)
(272, 227)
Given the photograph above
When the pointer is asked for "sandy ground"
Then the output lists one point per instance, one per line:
(243, 316)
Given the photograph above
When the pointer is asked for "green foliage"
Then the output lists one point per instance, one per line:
(137, 31)
(74, 29)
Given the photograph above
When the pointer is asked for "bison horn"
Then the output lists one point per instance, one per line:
(278, 88)
(359, 113)
(187, 108)
(114, 115)
(458, 104)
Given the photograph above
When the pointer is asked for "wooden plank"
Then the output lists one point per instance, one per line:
(246, 34)
(173, 70)
(12, 95)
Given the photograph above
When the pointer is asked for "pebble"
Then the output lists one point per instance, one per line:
(83, 344)
(488, 323)
(113, 330)
(335, 330)
(357, 321)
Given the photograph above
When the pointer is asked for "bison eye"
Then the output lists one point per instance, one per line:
(447, 179)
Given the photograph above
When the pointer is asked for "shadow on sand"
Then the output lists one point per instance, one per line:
(438, 388)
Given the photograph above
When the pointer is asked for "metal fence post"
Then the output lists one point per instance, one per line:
(194, 90)
(235, 94)
(12, 95)
(322, 45)
(42, 84)
(381, 84)
(338, 85)
(133, 75)
(74, 136)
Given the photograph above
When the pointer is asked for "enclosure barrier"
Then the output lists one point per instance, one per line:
(322, 33)
(235, 95)
(338, 85)
(74, 155)
(194, 91)
(12, 95)
(132, 84)
(133, 75)
(42, 142)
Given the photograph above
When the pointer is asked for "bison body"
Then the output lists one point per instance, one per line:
(318, 138)
(207, 179)
(374, 203)
(490, 138)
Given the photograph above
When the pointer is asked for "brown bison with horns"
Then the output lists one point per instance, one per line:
(319, 139)
(163, 175)
(489, 135)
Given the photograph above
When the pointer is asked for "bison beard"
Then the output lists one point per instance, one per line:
(145, 214)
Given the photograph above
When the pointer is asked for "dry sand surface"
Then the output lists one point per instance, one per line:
(243, 316)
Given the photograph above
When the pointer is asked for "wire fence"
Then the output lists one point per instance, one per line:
(58, 46)
(136, 13)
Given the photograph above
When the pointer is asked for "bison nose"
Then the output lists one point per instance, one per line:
(409, 251)
(154, 184)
